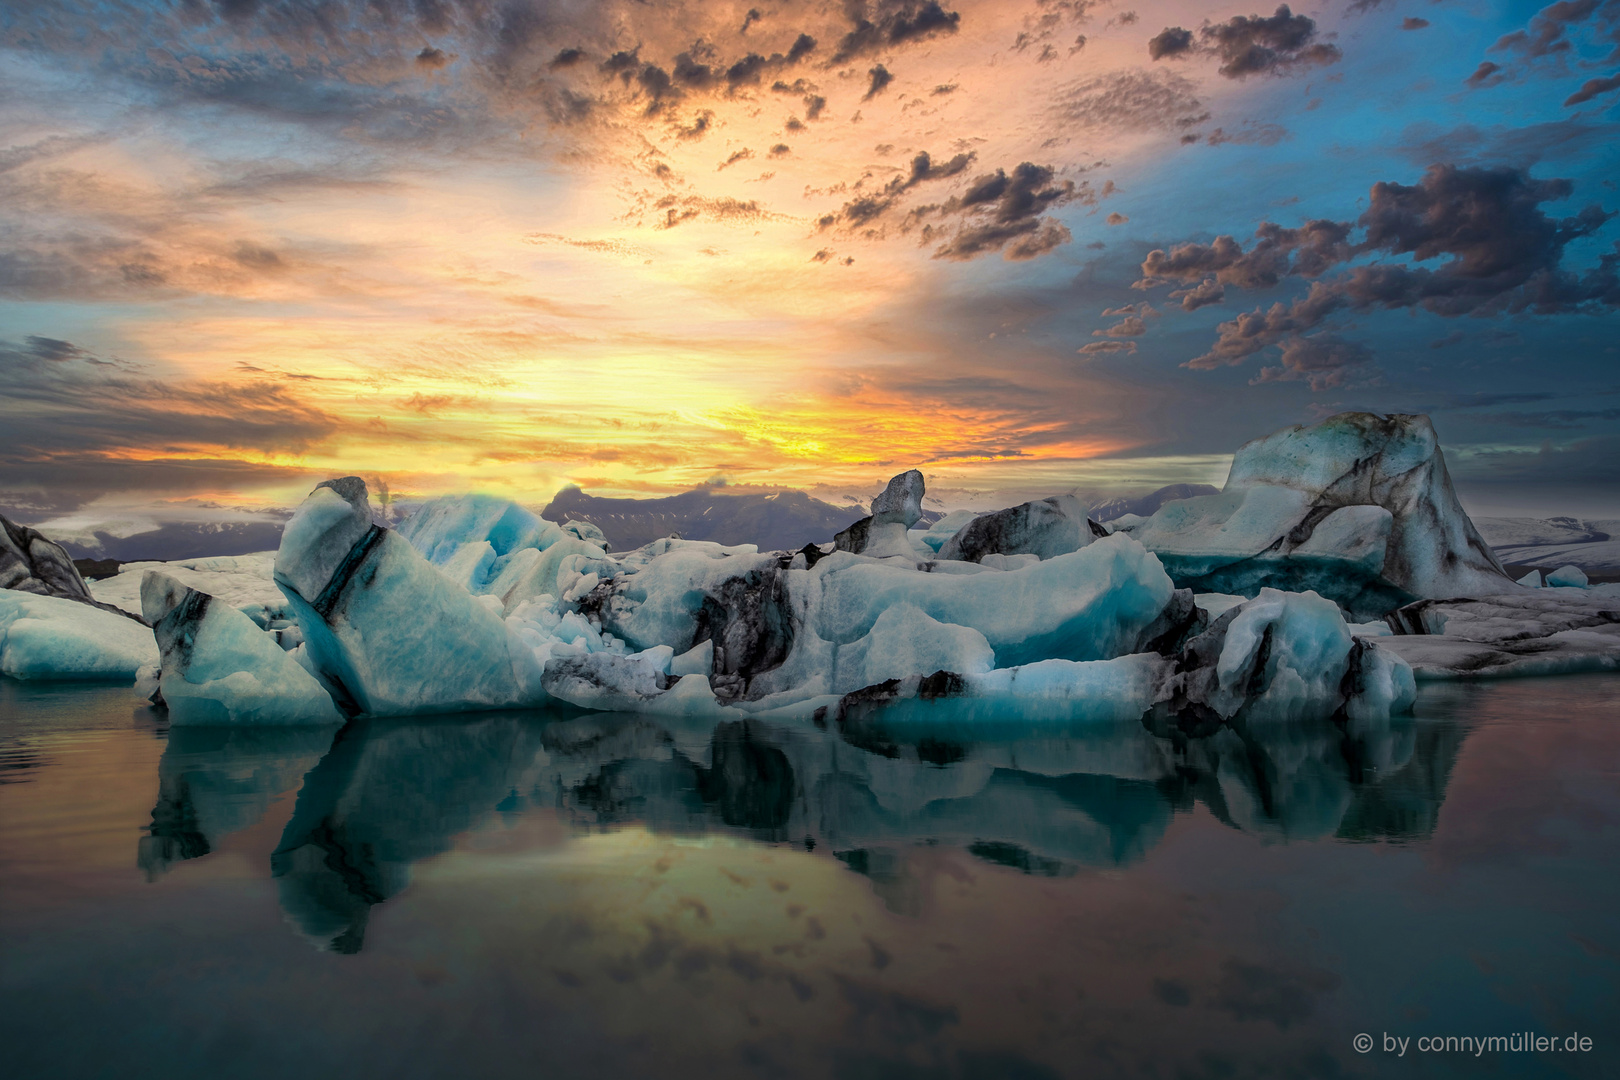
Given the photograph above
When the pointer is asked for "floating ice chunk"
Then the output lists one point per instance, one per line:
(529, 573)
(1532, 580)
(441, 526)
(630, 683)
(584, 530)
(1300, 642)
(894, 512)
(242, 581)
(219, 668)
(325, 529)
(1045, 528)
(32, 563)
(1286, 656)
(388, 632)
(1567, 577)
(48, 637)
(1087, 605)
(901, 501)
(942, 530)
(906, 641)
(1359, 508)
(1047, 691)
(1545, 632)
(1096, 690)
(698, 660)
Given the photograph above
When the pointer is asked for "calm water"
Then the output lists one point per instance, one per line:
(545, 894)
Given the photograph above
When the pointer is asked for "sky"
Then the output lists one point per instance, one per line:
(1027, 246)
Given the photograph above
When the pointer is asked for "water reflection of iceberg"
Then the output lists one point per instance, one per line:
(387, 794)
(214, 781)
(1023, 795)
(1039, 799)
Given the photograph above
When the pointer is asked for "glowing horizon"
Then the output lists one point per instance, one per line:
(639, 248)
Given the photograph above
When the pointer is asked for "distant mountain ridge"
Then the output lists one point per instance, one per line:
(1148, 505)
(780, 521)
(177, 540)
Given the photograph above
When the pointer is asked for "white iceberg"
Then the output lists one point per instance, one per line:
(219, 668)
(389, 634)
(47, 637)
(1359, 508)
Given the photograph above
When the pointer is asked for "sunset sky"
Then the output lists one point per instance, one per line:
(1025, 246)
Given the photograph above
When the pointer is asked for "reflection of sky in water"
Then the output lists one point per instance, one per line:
(640, 898)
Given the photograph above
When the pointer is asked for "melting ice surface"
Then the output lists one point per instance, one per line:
(911, 889)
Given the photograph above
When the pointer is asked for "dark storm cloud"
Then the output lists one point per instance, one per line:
(880, 81)
(1325, 362)
(1278, 44)
(1501, 252)
(1207, 292)
(679, 209)
(353, 67)
(1002, 212)
(999, 211)
(1549, 30)
(1594, 460)
(1104, 348)
(1591, 88)
(886, 24)
(1251, 133)
(61, 400)
(1308, 251)
(864, 209)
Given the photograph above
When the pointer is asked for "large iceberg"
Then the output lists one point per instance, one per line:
(30, 562)
(387, 632)
(1046, 529)
(47, 637)
(1549, 631)
(218, 667)
(1359, 508)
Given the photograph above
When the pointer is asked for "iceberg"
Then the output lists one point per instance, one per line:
(1567, 577)
(29, 562)
(244, 582)
(1550, 631)
(894, 512)
(48, 637)
(387, 632)
(1046, 529)
(1359, 508)
(32, 563)
(217, 667)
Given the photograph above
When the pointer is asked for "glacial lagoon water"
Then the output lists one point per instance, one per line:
(596, 894)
